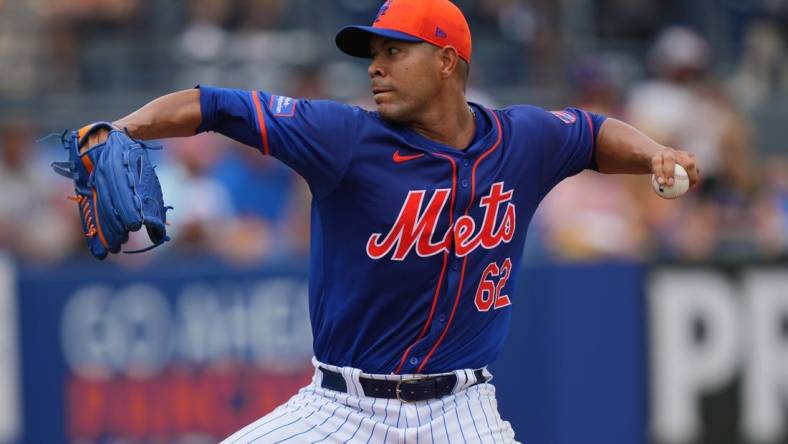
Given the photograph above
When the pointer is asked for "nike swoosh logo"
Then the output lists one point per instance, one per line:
(399, 158)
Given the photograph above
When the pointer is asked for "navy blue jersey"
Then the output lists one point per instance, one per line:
(415, 245)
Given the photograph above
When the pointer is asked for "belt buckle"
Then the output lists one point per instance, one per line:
(398, 388)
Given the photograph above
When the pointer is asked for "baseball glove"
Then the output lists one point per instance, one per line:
(117, 190)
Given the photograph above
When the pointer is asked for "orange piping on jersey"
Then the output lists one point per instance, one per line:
(429, 317)
(478, 161)
(465, 260)
(436, 296)
(593, 139)
(261, 123)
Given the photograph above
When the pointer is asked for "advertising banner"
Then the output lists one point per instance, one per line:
(183, 354)
(189, 352)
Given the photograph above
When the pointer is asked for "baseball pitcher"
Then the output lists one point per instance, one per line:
(419, 216)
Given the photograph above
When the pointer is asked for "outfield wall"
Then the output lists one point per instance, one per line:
(187, 353)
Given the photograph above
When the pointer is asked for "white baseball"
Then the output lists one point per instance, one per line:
(680, 186)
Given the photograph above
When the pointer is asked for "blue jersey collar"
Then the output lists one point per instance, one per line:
(486, 135)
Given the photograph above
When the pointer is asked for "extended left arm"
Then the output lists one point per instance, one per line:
(622, 149)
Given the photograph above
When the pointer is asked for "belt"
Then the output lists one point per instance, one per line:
(406, 390)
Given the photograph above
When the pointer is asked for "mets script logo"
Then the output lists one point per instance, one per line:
(415, 226)
(383, 10)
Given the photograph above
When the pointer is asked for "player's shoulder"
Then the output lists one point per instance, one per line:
(333, 108)
(530, 116)
(525, 112)
(331, 115)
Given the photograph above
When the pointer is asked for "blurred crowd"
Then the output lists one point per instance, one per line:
(739, 211)
(720, 92)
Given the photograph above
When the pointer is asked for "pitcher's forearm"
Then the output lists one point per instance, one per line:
(174, 115)
(623, 149)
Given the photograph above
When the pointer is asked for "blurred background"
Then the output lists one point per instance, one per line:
(640, 320)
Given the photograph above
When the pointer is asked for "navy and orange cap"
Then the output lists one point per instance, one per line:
(439, 22)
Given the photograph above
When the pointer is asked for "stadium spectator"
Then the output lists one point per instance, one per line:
(199, 45)
(20, 46)
(92, 44)
(680, 106)
(762, 70)
(36, 222)
(203, 206)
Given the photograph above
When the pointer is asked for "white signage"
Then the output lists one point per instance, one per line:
(708, 328)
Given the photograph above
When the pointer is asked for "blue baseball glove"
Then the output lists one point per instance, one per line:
(117, 190)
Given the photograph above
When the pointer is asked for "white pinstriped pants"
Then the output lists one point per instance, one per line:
(317, 415)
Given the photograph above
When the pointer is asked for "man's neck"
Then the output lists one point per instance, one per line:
(453, 125)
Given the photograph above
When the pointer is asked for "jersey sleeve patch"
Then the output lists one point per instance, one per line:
(565, 116)
(281, 106)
